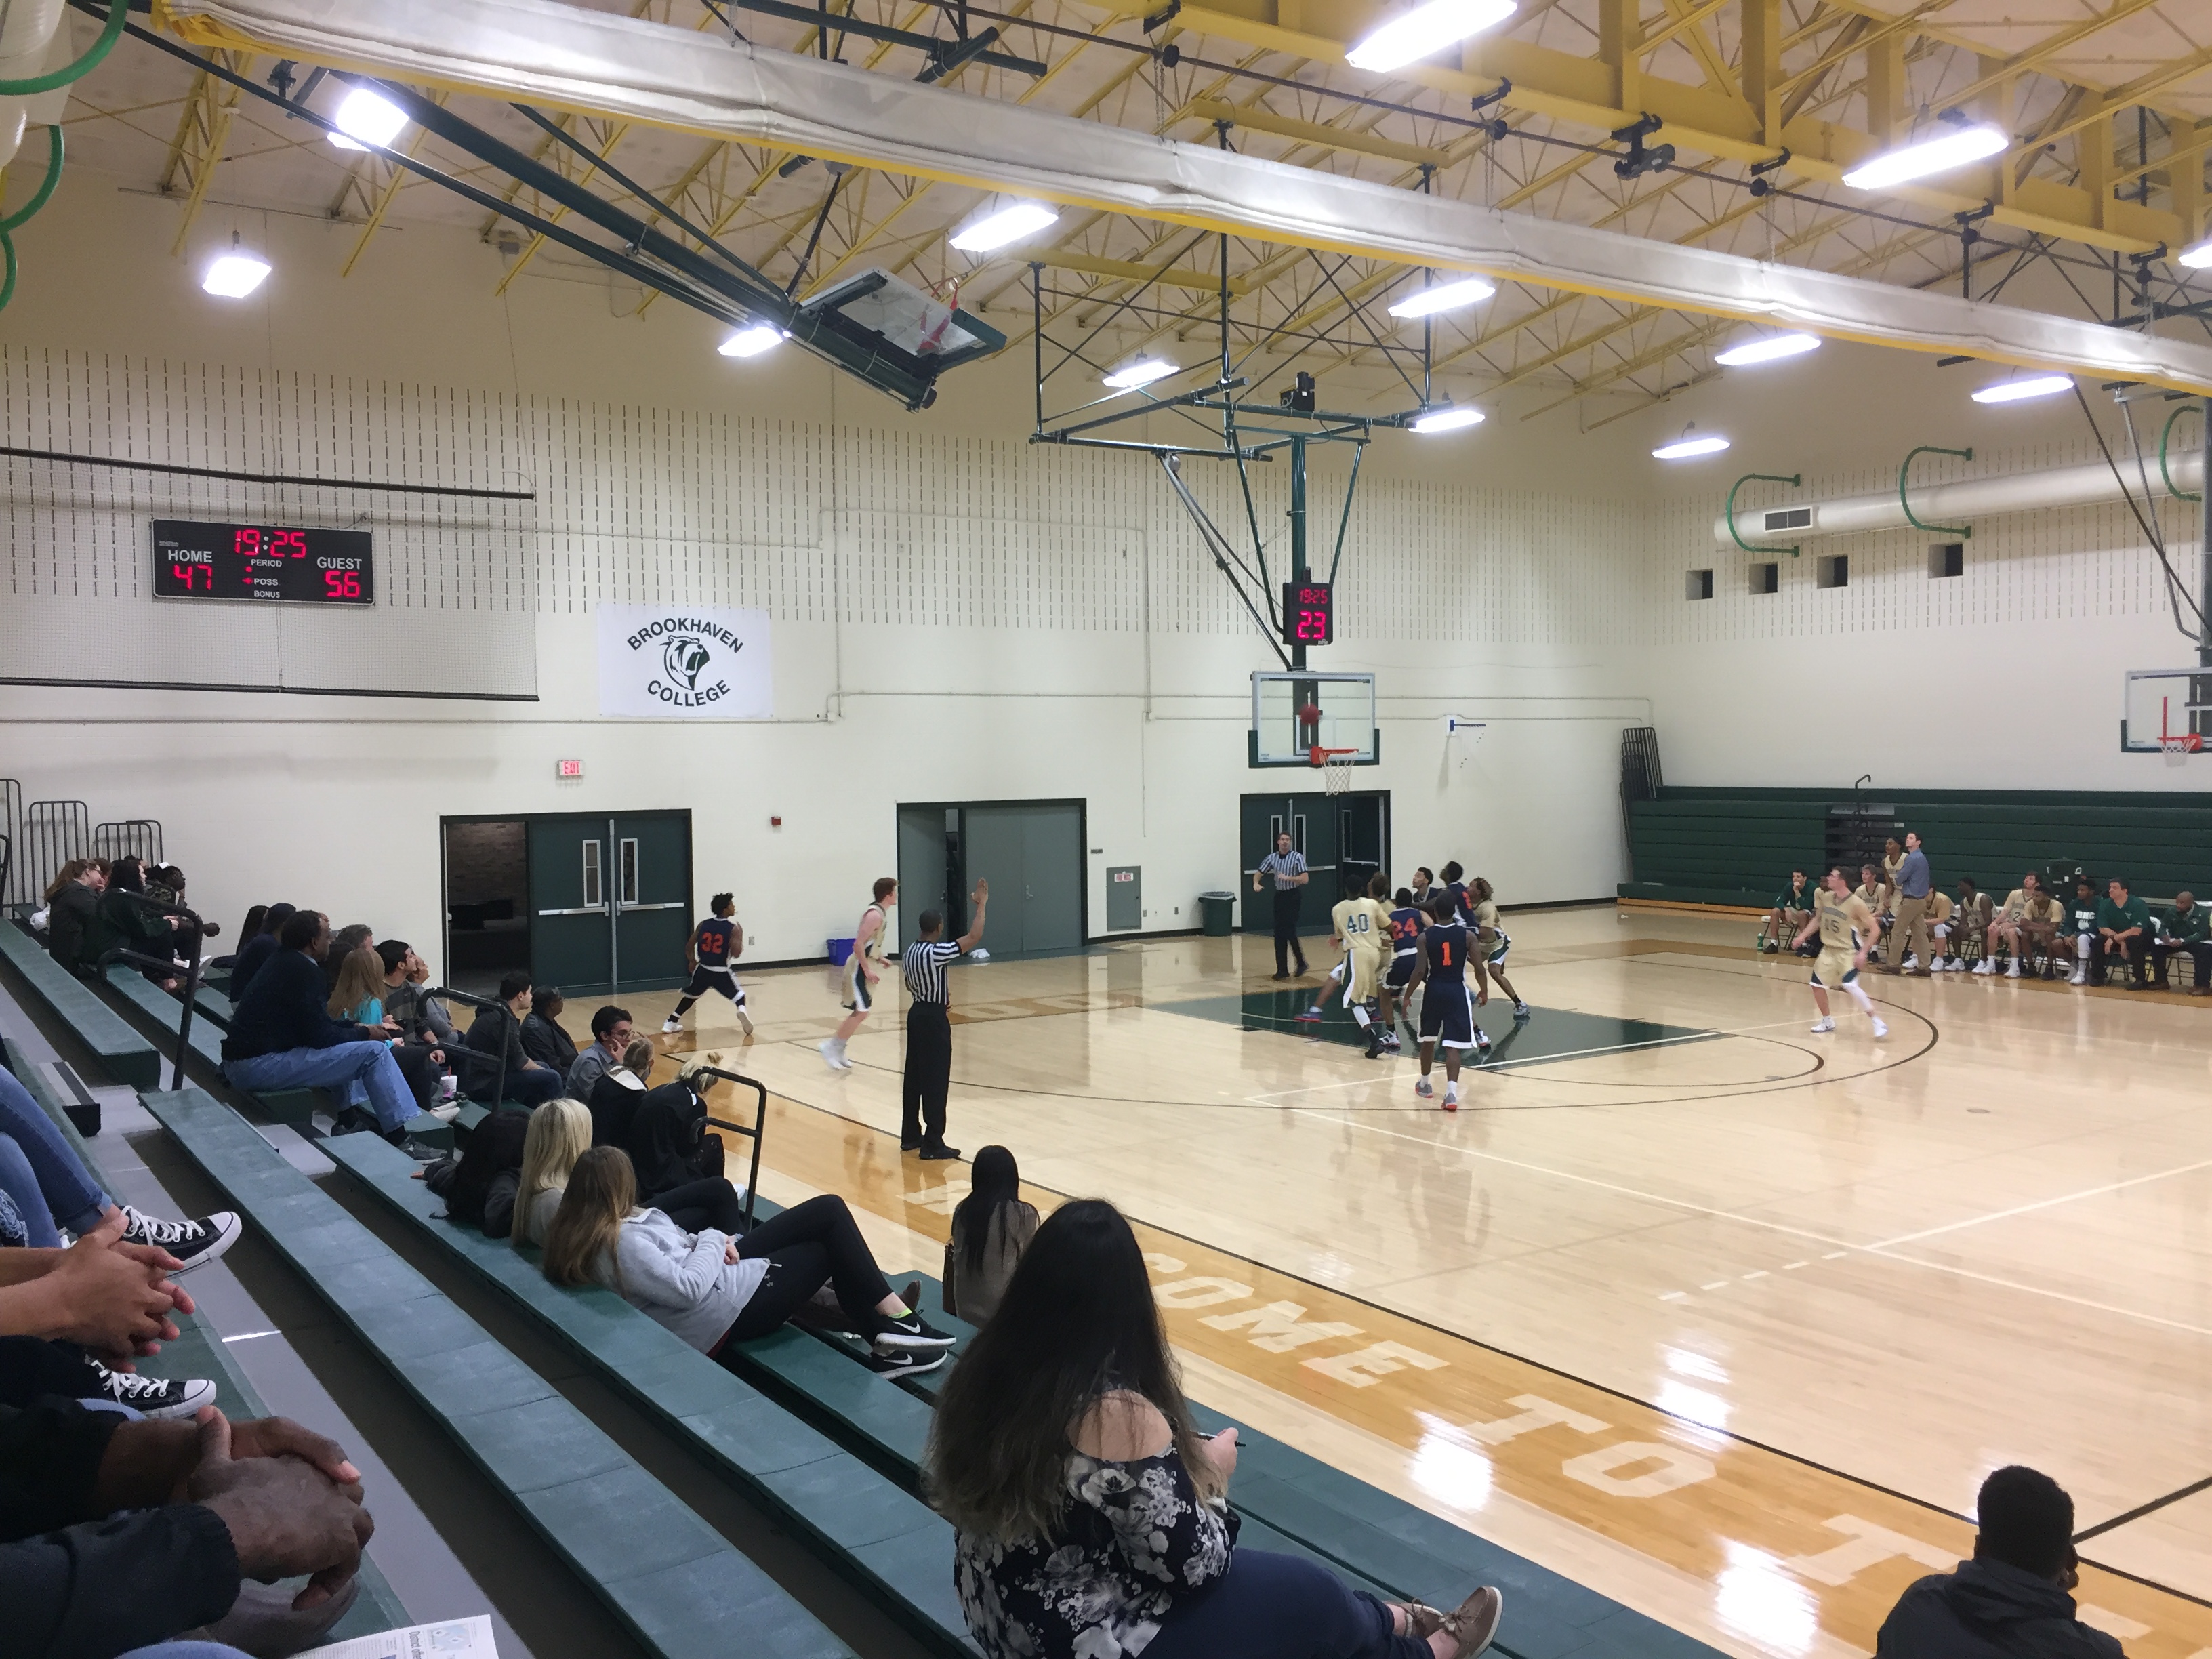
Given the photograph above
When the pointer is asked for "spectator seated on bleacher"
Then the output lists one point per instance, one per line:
(677, 1163)
(615, 1096)
(480, 1186)
(1968, 942)
(2011, 1601)
(282, 1036)
(164, 884)
(542, 1038)
(2185, 928)
(424, 1017)
(2028, 923)
(713, 1290)
(1089, 1515)
(72, 901)
(991, 1227)
(2123, 930)
(255, 952)
(611, 1030)
(121, 922)
(353, 935)
(1792, 910)
(255, 915)
(559, 1133)
(498, 1030)
(357, 995)
(117, 1536)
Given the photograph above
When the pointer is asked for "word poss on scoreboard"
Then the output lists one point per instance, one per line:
(1309, 613)
(261, 561)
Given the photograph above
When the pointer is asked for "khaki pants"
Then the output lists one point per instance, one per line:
(1911, 919)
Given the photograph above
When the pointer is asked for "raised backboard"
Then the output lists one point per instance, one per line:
(1346, 702)
(2168, 710)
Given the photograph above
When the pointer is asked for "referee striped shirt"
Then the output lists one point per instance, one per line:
(925, 961)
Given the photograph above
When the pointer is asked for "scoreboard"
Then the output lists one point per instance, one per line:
(261, 561)
(1309, 613)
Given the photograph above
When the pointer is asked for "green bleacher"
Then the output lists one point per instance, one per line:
(1737, 846)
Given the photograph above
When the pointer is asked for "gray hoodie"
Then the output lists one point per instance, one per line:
(680, 1279)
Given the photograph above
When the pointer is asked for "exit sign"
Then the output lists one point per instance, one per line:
(574, 768)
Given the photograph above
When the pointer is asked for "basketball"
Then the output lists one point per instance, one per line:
(1310, 716)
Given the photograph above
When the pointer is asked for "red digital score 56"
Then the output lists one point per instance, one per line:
(342, 584)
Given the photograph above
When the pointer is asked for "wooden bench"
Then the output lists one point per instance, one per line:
(674, 1581)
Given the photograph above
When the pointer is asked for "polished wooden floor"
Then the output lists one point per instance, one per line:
(1721, 1318)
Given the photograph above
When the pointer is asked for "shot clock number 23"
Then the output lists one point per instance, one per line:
(288, 566)
(1309, 613)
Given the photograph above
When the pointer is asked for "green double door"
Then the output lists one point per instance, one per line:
(609, 901)
(1345, 838)
(1030, 852)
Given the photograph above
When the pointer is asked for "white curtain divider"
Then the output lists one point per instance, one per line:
(542, 52)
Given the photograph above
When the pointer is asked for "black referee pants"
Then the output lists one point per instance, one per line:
(928, 1075)
(1289, 901)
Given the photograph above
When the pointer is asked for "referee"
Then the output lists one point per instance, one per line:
(929, 1031)
(1289, 871)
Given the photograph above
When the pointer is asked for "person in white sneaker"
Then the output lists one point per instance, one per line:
(2078, 930)
(1971, 916)
(1846, 927)
(2029, 919)
(714, 944)
(864, 969)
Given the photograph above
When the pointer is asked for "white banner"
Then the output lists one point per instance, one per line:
(662, 662)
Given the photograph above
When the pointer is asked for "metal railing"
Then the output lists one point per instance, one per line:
(54, 832)
(138, 838)
(753, 1134)
(476, 1056)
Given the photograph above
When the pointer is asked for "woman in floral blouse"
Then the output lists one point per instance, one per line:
(1092, 1519)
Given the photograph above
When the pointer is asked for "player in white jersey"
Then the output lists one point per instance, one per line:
(1847, 928)
(1491, 944)
(1359, 926)
(871, 941)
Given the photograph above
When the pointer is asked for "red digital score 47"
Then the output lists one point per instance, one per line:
(1309, 613)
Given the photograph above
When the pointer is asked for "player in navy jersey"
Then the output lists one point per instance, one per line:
(714, 944)
(1406, 923)
(1447, 1003)
(1456, 890)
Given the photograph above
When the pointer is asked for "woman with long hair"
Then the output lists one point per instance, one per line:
(616, 1091)
(560, 1134)
(991, 1227)
(1091, 1517)
(358, 995)
(713, 1290)
(253, 952)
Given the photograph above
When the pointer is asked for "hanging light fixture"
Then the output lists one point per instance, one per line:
(1940, 153)
(1143, 372)
(752, 340)
(1447, 419)
(1444, 296)
(366, 119)
(236, 274)
(1002, 226)
(1690, 446)
(1412, 35)
(1767, 348)
(2197, 257)
(2036, 386)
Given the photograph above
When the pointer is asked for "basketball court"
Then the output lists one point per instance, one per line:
(504, 474)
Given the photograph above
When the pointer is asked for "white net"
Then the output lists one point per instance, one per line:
(1336, 774)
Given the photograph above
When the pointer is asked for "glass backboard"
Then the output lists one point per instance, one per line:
(1346, 704)
(2166, 709)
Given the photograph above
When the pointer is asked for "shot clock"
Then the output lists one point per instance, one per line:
(261, 561)
(1309, 613)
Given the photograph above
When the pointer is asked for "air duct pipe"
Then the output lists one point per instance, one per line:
(28, 29)
(1774, 529)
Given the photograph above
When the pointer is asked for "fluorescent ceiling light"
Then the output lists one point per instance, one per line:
(1143, 372)
(1768, 350)
(1940, 153)
(1447, 420)
(234, 274)
(1686, 448)
(367, 121)
(1447, 296)
(2196, 257)
(2011, 391)
(752, 340)
(1412, 35)
(1004, 226)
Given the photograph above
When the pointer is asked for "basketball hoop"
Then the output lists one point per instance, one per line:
(2179, 747)
(1335, 766)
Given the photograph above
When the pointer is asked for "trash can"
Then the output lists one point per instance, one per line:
(840, 952)
(1218, 912)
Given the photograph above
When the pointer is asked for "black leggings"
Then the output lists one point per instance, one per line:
(808, 1246)
(710, 1204)
(31, 1368)
(1280, 1607)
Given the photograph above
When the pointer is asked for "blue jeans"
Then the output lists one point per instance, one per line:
(1279, 1606)
(71, 1197)
(369, 1064)
(25, 1206)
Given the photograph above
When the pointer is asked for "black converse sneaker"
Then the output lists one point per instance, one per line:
(911, 1332)
(903, 1362)
(194, 1243)
(155, 1396)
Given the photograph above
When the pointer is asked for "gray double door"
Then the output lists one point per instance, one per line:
(1030, 852)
